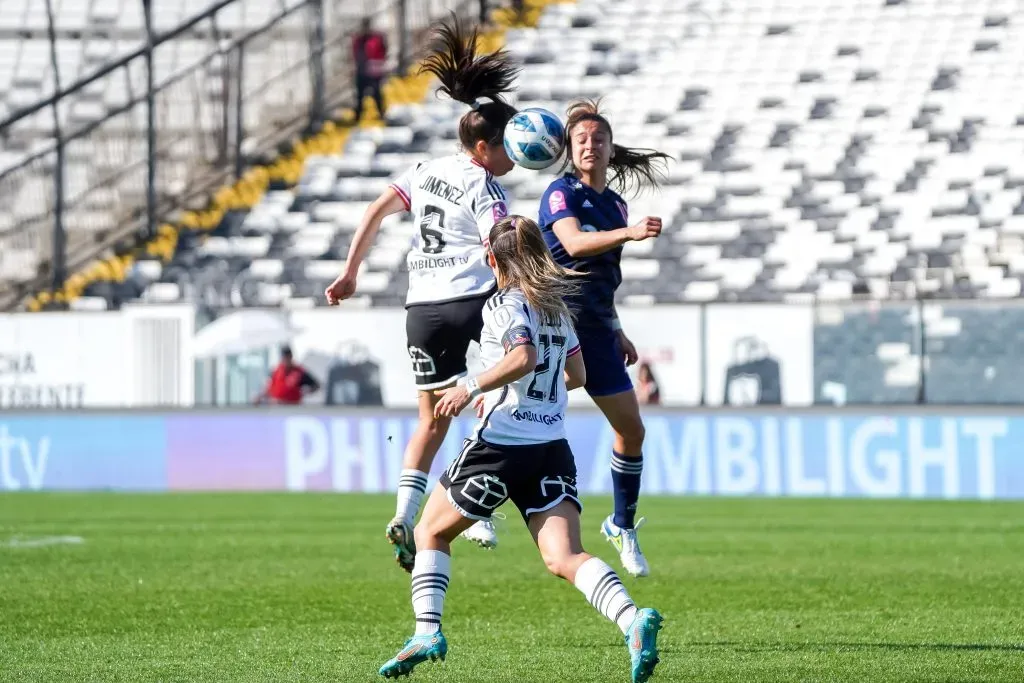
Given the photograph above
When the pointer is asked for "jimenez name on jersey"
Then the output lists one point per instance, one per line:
(454, 202)
(530, 410)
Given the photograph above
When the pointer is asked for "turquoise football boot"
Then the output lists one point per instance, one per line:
(417, 650)
(400, 534)
(642, 641)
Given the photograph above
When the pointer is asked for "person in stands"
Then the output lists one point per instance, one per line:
(647, 390)
(289, 382)
(370, 52)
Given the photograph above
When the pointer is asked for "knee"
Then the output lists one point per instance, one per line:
(563, 565)
(632, 432)
(427, 535)
(435, 427)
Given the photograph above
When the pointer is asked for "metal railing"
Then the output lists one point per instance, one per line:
(102, 161)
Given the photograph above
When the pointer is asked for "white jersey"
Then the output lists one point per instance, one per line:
(532, 409)
(454, 201)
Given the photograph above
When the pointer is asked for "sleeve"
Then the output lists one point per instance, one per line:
(490, 205)
(308, 380)
(556, 204)
(403, 185)
(572, 342)
(510, 323)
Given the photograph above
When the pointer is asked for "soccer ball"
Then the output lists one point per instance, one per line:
(534, 138)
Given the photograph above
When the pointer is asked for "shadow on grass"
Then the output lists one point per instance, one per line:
(828, 647)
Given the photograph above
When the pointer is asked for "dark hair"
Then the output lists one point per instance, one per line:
(525, 263)
(467, 76)
(632, 168)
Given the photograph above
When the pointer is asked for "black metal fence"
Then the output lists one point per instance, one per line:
(142, 135)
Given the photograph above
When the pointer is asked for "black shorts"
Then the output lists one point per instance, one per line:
(536, 478)
(438, 336)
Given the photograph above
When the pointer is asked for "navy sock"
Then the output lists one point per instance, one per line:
(626, 486)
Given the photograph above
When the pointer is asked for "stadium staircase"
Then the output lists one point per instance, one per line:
(824, 149)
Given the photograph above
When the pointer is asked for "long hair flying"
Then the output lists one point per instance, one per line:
(525, 263)
(467, 76)
(632, 169)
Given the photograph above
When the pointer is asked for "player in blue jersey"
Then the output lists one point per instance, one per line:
(585, 223)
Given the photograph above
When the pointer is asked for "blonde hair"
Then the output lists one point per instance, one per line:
(525, 263)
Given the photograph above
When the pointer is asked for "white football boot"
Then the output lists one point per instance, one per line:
(482, 533)
(625, 542)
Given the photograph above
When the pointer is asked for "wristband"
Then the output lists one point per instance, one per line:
(616, 324)
(472, 386)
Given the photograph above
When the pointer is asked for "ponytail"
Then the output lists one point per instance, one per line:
(632, 169)
(467, 77)
(525, 263)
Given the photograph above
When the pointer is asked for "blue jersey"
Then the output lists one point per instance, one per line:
(567, 197)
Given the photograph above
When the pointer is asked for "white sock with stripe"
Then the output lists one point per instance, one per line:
(412, 484)
(429, 585)
(603, 589)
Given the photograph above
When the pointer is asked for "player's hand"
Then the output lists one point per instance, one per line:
(452, 402)
(645, 229)
(340, 289)
(628, 349)
(478, 406)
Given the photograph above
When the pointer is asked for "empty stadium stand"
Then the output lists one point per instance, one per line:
(821, 148)
(251, 55)
(824, 150)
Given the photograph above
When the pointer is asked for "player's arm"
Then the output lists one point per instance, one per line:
(489, 208)
(629, 352)
(514, 365)
(575, 370)
(395, 198)
(520, 359)
(580, 243)
(389, 202)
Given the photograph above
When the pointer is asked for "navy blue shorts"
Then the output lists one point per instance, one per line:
(604, 360)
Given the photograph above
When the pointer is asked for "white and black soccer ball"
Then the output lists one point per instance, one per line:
(534, 138)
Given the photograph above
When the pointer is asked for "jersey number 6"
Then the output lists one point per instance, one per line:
(431, 226)
(546, 342)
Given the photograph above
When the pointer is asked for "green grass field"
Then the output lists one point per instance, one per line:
(303, 588)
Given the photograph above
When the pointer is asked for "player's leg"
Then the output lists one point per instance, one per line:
(424, 444)
(620, 528)
(466, 317)
(427, 334)
(557, 534)
(440, 524)
(468, 491)
(610, 387)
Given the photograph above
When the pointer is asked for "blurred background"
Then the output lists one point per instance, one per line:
(844, 209)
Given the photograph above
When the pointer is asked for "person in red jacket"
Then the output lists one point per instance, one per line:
(289, 382)
(370, 52)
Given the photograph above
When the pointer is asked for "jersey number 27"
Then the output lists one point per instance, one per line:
(543, 368)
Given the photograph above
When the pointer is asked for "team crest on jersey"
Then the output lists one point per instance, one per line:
(499, 211)
(556, 201)
(517, 336)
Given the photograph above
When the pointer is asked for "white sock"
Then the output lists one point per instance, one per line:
(429, 585)
(411, 486)
(603, 589)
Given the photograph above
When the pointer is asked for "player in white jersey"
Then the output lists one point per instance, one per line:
(519, 451)
(454, 200)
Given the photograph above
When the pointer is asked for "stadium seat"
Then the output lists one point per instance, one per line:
(820, 148)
